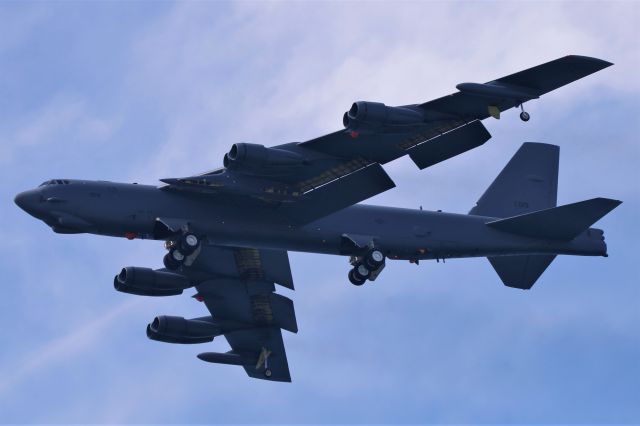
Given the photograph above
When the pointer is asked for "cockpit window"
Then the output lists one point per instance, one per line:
(55, 182)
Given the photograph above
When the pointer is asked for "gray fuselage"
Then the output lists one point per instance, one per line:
(132, 210)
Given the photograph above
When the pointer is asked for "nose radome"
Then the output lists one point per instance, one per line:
(21, 200)
(27, 200)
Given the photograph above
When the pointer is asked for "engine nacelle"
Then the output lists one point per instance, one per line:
(254, 156)
(147, 282)
(370, 117)
(170, 329)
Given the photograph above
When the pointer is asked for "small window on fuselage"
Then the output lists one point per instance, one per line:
(55, 182)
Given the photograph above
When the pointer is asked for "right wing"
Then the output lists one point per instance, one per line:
(237, 286)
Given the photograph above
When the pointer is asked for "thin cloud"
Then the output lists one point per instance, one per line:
(63, 348)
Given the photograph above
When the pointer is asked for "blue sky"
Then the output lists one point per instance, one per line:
(138, 91)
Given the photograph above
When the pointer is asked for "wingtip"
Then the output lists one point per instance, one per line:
(599, 63)
(612, 203)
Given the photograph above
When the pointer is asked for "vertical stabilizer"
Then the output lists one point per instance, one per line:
(528, 183)
(521, 271)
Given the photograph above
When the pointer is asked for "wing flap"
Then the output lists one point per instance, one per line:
(284, 315)
(339, 194)
(380, 147)
(450, 144)
(246, 263)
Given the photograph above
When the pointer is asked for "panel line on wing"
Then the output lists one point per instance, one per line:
(333, 174)
(249, 264)
(261, 309)
(433, 132)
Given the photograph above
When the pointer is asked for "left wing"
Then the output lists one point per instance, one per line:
(237, 286)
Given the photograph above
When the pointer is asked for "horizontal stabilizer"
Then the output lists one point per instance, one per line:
(560, 223)
(450, 144)
(520, 271)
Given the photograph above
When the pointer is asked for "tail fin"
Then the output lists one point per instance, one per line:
(525, 195)
(560, 223)
(564, 222)
(529, 182)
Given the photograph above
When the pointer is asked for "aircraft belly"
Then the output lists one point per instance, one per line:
(401, 233)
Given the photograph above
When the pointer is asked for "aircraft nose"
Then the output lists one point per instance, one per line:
(27, 200)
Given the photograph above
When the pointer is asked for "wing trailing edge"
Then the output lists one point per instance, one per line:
(338, 194)
(449, 144)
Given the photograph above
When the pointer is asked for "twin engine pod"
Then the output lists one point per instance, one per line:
(170, 329)
(371, 117)
(147, 282)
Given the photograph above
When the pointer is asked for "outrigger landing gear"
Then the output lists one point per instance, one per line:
(263, 360)
(524, 116)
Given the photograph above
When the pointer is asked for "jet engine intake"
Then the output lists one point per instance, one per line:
(171, 329)
(147, 282)
(369, 117)
(254, 156)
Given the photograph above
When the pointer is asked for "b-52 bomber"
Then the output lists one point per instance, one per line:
(228, 231)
